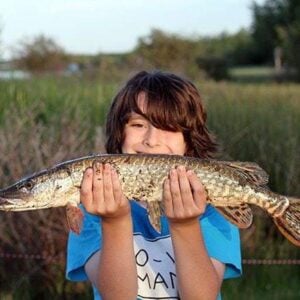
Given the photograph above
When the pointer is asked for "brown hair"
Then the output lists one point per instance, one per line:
(172, 103)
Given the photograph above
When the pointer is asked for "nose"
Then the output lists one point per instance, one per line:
(152, 136)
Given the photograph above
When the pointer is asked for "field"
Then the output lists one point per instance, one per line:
(45, 121)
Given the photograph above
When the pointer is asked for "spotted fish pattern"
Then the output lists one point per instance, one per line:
(232, 187)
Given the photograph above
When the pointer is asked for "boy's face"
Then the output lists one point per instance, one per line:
(140, 136)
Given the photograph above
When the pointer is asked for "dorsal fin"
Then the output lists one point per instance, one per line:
(240, 215)
(250, 171)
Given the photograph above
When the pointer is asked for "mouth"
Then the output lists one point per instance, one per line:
(11, 203)
(152, 153)
(11, 198)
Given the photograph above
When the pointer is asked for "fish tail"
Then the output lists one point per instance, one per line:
(289, 222)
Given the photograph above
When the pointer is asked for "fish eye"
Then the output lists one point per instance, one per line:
(28, 185)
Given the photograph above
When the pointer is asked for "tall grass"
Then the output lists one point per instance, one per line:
(45, 121)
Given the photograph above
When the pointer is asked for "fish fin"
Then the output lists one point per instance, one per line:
(155, 210)
(240, 215)
(250, 171)
(289, 222)
(74, 217)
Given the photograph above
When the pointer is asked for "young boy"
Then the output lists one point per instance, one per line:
(118, 250)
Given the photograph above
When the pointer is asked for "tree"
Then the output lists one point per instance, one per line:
(266, 20)
(1, 42)
(276, 23)
(40, 55)
(289, 35)
(167, 51)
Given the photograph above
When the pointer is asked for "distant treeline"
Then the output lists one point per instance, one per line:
(272, 39)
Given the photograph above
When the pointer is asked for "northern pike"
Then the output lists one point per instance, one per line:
(230, 186)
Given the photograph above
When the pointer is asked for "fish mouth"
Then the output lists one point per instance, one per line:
(13, 194)
(11, 198)
(12, 204)
(9, 201)
(19, 204)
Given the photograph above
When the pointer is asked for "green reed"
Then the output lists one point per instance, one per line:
(47, 120)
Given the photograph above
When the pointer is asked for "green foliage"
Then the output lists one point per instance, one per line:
(0, 41)
(165, 51)
(40, 55)
(193, 56)
(215, 67)
(266, 20)
(236, 48)
(268, 282)
(277, 24)
(45, 121)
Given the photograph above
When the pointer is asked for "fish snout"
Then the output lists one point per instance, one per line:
(13, 196)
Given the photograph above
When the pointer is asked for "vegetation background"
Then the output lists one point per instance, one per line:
(58, 113)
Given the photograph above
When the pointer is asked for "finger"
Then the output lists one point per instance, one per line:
(117, 188)
(167, 198)
(175, 193)
(107, 186)
(86, 194)
(198, 189)
(98, 184)
(185, 187)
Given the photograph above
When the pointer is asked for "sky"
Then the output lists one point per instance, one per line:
(114, 26)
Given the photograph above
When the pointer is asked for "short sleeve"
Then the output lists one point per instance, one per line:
(81, 247)
(222, 241)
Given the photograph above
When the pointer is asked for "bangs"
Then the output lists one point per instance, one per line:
(163, 107)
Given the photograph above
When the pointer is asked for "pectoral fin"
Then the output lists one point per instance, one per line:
(74, 217)
(241, 215)
(155, 211)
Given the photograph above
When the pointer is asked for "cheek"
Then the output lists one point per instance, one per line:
(128, 140)
(178, 143)
(125, 141)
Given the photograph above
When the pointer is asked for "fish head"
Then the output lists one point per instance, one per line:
(19, 196)
(42, 190)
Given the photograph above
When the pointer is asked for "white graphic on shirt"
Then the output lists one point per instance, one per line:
(155, 268)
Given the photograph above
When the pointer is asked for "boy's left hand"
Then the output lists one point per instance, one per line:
(184, 196)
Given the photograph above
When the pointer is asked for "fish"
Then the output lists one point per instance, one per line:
(232, 187)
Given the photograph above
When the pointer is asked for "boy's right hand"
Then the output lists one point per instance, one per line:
(101, 193)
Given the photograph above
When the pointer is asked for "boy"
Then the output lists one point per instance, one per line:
(118, 250)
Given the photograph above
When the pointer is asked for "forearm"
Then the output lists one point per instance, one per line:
(117, 275)
(196, 274)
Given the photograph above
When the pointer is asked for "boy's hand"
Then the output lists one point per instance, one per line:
(184, 196)
(101, 193)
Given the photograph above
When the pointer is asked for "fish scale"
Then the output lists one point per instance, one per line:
(230, 187)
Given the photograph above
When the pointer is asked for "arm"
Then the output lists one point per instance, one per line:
(112, 270)
(199, 276)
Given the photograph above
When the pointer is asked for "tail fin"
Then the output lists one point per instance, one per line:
(289, 222)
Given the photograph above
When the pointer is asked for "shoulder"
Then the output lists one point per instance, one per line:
(220, 234)
(81, 247)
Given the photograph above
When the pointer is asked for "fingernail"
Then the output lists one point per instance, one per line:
(114, 172)
(98, 165)
(89, 171)
(181, 168)
(190, 172)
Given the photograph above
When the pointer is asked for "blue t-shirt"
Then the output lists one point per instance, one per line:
(153, 250)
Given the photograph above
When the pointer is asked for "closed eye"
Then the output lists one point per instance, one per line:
(137, 125)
